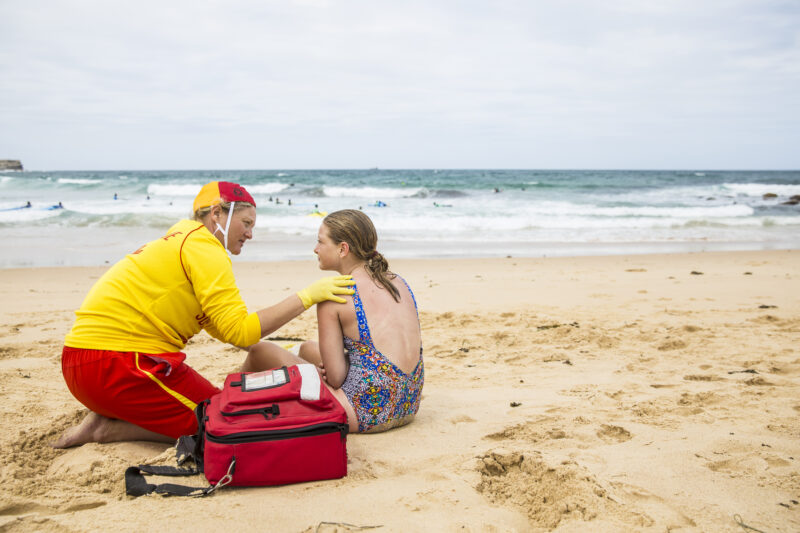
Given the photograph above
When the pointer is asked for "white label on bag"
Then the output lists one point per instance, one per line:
(310, 384)
(262, 380)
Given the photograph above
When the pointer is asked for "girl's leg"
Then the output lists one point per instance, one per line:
(352, 420)
(266, 355)
(309, 351)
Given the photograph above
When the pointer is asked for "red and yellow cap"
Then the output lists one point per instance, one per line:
(213, 193)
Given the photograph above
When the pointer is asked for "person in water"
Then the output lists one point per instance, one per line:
(123, 357)
(370, 350)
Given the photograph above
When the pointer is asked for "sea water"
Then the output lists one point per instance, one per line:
(418, 213)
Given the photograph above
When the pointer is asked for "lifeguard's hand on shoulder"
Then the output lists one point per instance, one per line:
(326, 289)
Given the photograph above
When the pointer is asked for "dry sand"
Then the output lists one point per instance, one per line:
(619, 393)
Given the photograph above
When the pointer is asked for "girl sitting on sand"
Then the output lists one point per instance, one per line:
(369, 350)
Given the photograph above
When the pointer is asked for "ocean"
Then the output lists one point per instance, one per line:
(418, 213)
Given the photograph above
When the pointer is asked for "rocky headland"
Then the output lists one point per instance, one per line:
(10, 164)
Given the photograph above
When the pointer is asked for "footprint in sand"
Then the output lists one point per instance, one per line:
(700, 398)
(461, 419)
(531, 431)
(81, 506)
(672, 344)
(8, 352)
(701, 377)
(658, 510)
(16, 509)
(613, 434)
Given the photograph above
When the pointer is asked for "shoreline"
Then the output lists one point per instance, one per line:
(83, 247)
(607, 393)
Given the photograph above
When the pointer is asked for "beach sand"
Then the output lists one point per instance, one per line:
(614, 393)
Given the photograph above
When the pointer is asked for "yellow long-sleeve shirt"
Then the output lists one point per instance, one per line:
(155, 299)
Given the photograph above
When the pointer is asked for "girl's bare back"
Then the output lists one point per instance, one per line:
(393, 325)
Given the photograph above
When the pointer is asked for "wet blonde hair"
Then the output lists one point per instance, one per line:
(201, 213)
(357, 230)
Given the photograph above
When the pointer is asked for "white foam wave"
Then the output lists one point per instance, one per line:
(438, 227)
(375, 193)
(564, 208)
(192, 189)
(21, 216)
(186, 189)
(124, 207)
(760, 189)
(266, 188)
(78, 181)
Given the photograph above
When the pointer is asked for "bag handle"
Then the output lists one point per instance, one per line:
(136, 485)
(187, 447)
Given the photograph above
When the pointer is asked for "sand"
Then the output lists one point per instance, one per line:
(617, 393)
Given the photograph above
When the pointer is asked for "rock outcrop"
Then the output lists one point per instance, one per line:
(794, 200)
(10, 164)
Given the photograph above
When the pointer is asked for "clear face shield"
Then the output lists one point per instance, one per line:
(227, 227)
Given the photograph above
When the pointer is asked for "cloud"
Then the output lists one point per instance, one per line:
(319, 78)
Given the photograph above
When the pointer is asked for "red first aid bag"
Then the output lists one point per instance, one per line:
(280, 426)
(274, 427)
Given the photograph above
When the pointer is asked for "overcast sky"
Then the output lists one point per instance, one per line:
(267, 84)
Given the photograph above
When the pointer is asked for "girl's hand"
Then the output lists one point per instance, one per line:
(322, 373)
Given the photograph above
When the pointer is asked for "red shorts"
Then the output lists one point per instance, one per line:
(155, 391)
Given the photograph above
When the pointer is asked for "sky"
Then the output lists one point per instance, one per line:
(287, 84)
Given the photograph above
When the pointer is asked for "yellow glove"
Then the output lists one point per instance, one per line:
(326, 289)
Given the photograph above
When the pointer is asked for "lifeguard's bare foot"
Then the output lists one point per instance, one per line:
(90, 429)
(97, 428)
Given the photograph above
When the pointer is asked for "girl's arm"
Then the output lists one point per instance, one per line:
(331, 346)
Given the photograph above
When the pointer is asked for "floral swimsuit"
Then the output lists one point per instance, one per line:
(382, 395)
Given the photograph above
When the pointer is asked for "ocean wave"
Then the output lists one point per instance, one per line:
(494, 227)
(565, 208)
(191, 189)
(78, 181)
(267, 188)
(752, 222)
(379, 193)
(184, 189)
(760, 189)
(447, 193)
(23, 216)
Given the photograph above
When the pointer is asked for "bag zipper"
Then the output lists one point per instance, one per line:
(281, 434)
(273, 410)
